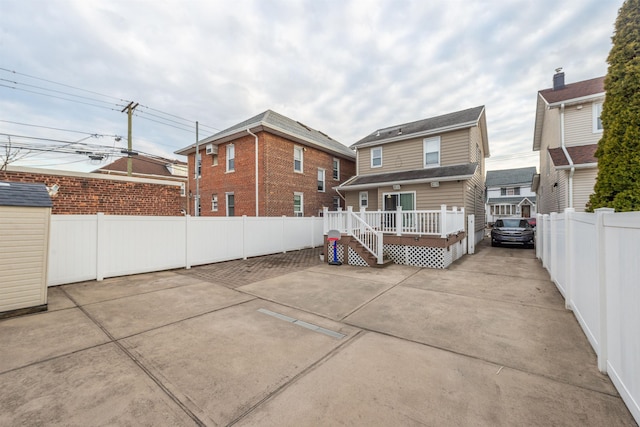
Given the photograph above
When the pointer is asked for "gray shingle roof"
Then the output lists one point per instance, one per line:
(26, 195)
(277, 122)
(457, 120)
(429, 174)
(510, 177)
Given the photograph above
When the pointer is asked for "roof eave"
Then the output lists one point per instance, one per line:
(578, 100)
(403, 182)
(578, 166)
(406, 136)
(541, 106)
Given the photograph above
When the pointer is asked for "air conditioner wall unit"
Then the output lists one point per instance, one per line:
(211, 149)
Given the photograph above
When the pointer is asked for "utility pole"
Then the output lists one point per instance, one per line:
(198, 167)
(129, 108)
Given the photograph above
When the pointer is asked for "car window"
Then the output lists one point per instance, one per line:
(524, 223)
(499, 223)
(511, 223)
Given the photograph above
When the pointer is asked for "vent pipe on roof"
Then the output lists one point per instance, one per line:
(558, 79)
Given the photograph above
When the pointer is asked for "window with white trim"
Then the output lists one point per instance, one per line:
(431, 150)
(231, 204)
(298, 204)
(336, 169)
(597, 120)
(321, 181)
(183, 189)
(231, 158)
(214, 203)
(376, 157)
(336, 202)
(298, 159)
(364, 199)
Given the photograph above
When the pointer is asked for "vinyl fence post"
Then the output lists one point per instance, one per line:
(568, 250)
(244, 235)
(603, 354)
(349, 221)
(283, 246)
(471, 234)
(325, 220)
(553, 239)
(398, 220)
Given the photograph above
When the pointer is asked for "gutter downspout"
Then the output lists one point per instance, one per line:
(566, 153)
(256, 161)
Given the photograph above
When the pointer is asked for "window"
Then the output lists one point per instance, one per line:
(364, 199)
(214, 203)
(336, 169)
(183, 189)
(431, 147)
(298, 205)
(510, 191)
(231, 204)
(321, 174)
(214, 160)
(198, 167)
(597, 121)
(231, 158)
(298, 159)
(376, 157)
(336, 203)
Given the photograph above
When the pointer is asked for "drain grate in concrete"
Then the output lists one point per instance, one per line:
(298, 322)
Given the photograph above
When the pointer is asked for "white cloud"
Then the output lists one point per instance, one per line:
(344, 67)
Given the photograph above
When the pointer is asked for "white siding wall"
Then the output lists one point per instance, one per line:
(583, 182)
(579, 125)
(547, 193)
(23, 257)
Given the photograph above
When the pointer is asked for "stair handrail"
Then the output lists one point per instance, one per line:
(367, 236)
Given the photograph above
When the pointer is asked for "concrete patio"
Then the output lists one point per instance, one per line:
(284, 340)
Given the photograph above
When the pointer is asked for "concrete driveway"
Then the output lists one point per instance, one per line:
(284, 340)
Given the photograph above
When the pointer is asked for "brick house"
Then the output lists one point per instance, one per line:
(268, 165)
(567, 131)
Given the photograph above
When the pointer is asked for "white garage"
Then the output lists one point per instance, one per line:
(25, 212)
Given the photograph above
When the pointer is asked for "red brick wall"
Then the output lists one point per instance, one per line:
(79, 195)
(275, 187)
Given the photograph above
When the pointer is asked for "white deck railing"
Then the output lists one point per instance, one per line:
(368, 227)
(441, 223)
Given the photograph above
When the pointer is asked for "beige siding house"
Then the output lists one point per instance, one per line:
(423, 165)
(567, 131)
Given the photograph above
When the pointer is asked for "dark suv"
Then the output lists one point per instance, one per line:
(512, 231)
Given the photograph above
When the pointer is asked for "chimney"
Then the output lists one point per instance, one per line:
(558, 79)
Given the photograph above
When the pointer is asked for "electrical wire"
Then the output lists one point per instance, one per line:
(57, 97)
(52, 128)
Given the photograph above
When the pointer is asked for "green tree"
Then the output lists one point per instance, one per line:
(618, 153)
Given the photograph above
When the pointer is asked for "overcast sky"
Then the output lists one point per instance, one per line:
(346, 68)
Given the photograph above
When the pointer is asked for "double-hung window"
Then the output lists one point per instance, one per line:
(321, 180)
(597, 120)
(231, 204)
(298, 205)
(364, 199)
(214, 203)
(298, 159)
(336, 203)
(231, 158)
(376, 157)
(431, 148)
(336, 169)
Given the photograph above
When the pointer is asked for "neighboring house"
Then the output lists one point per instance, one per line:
(423, 165)
(567, 131)
(509, 194)
(268, 165)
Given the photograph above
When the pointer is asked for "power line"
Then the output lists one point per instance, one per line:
(62, 84)
(53, 90)
(52, 128)
(57, 97)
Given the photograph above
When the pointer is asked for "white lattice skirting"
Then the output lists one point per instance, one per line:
(423, 256)
(356, 259)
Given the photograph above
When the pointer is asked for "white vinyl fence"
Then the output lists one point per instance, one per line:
(594, 259)
(93, 247)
